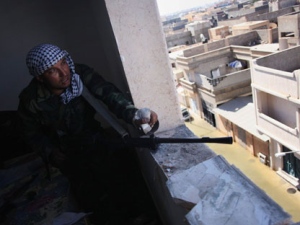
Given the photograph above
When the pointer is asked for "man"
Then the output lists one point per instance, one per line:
(213, 22)
(203, 39)
(59, 124)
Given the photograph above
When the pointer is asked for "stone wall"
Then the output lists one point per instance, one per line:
(182, 38)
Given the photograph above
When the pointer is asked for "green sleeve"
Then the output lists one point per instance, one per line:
(108, 93)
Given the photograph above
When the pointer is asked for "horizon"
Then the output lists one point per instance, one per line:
(172, 6)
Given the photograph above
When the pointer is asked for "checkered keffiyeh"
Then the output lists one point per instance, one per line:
(42, 57)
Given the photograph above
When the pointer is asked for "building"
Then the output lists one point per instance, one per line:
(221, 102)
(208, 80)
(198, 27)
(281, 4)
(276, 97)
(288, 30)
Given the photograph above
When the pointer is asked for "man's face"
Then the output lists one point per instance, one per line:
(57, 78)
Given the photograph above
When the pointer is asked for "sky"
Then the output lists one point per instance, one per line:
(171, 6)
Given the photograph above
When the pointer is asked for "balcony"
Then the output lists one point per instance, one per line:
(226, 87)
(289, 136)
(224, 81)
(278, 74)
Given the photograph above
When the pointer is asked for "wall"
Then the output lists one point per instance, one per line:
(274, 34)
(194, 50)
(215, 45)
(253, 144)
(286, 115)
(249, 142)
(181, 38)
(261, 147)
(289, 24)
(243, 39)
(265, 35)
(224, 125)
(271, 16)
(204, 67)
(286, 3)
(240, 13)
(232, 21)
(274, 61)
(79, 30)
(145, 60)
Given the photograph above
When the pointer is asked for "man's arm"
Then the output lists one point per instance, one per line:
(108, 93)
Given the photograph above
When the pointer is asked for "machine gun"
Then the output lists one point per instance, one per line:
(152, 142)
(148, 141)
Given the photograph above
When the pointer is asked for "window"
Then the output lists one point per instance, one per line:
(291, 164)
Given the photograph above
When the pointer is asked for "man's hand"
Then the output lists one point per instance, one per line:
(145, 119)
(153, 118)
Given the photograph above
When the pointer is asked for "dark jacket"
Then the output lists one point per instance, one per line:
(46, 121)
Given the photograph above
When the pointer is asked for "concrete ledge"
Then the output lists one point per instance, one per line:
(190, 184)
(157, 166)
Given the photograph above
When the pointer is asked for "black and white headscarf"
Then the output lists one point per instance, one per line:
(42, 57)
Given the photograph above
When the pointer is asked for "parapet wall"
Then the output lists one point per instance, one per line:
(180, 38)
(282, 60)
(242, 40)
(271, 16)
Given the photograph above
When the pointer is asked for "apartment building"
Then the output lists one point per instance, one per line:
(210, 84)
(208, 65)
(246, 103)
(275, 84)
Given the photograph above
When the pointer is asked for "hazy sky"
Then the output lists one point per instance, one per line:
(170, 6)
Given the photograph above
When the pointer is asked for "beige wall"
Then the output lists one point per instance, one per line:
(82, 30)
(145, 58)
(179, 38)
(224, 125)
(251, 143)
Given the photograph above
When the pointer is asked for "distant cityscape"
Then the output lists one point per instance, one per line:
(203, 8)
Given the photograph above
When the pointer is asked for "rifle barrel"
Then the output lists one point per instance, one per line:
(219, 140)
(153, 142)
